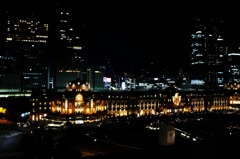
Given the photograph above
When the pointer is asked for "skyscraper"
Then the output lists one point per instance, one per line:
(233, 66)
(69, 44)
(208, 52)
(24, 52)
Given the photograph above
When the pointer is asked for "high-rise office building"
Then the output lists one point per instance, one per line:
(95, 76)
(69, 44)
(208, 53)
(24, 52)
(233, 66)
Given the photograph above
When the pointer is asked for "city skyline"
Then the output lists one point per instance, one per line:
(135, 35)
(146, 33)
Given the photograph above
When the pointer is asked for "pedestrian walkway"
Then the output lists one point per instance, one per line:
(8, 129)
(12, 155)
(6, 133)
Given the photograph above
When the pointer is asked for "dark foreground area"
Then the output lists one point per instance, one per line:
(216, 148)
(220, 136)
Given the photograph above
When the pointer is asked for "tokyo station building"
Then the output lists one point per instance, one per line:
(78, 104)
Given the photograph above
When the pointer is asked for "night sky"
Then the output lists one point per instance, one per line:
(138, 33)
(133, 35)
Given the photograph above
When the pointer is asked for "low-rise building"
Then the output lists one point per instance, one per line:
(79, 104)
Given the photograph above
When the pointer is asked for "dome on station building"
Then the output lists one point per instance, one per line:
(77, 85)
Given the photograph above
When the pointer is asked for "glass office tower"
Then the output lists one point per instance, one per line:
(69, 44)
(24, 52)
(208, 53)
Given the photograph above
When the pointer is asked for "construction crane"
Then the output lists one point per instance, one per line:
(115, 78)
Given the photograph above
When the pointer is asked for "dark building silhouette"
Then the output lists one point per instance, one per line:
(42, 47)
(24, 52)
(68, 44)
(208, 52)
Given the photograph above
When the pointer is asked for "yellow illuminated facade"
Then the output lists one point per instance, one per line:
(87, 104)
(114, 104)
(3, 110)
